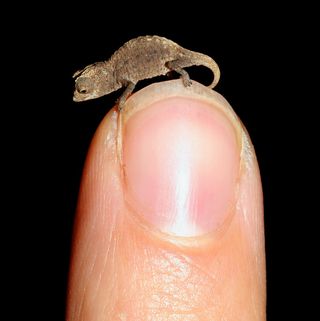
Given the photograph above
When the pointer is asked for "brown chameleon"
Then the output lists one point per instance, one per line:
(140, 58)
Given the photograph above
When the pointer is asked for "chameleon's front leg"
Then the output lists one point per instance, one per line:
(176, 66)
(125, 94)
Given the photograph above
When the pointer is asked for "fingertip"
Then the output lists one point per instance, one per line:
(140, 160)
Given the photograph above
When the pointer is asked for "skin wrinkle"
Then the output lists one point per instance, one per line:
(129, 263)
(93, 266)
(193, 266)
(172, 293)
(171, 281)
(85, 287)
(108, 257)
(86, 247)
(106, 308)
(199, 268)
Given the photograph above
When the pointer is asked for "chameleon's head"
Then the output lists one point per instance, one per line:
(94, 81)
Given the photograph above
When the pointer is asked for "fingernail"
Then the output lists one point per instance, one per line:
(181, 161)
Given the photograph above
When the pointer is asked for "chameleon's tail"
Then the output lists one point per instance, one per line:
(200, 59)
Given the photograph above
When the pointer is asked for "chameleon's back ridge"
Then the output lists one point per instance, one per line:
(139, 58)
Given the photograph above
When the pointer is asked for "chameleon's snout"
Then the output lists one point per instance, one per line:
(76, 96)
(83, 89)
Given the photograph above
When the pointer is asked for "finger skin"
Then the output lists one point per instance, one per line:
(124, 270)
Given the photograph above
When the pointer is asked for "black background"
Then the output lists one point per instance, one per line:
(257, 53)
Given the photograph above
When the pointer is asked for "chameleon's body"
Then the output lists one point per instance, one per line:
(138, 59)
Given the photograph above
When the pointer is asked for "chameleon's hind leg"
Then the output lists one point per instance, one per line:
(125, 95)
(176, 66)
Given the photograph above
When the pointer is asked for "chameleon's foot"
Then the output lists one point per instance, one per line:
(175, 65)
(186, 80)
(121, 101)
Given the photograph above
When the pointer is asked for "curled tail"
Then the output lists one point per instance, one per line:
(200, 59)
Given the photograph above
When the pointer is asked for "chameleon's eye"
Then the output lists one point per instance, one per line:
(83, 91)
(84, 85)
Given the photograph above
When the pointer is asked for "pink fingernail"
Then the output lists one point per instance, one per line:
(181, 160)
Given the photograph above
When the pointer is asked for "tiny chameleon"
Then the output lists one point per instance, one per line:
(139, 58)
